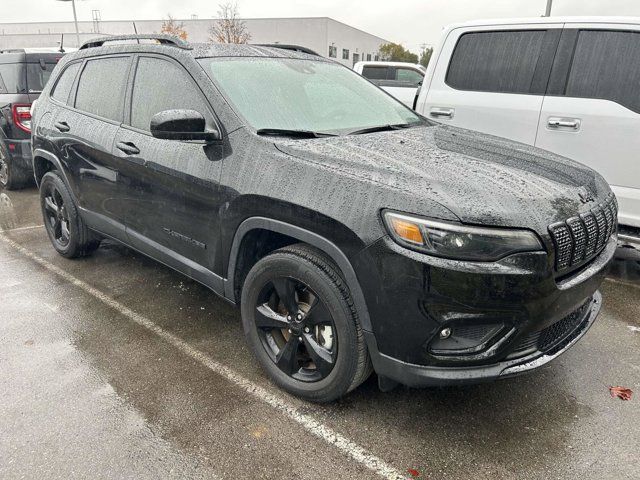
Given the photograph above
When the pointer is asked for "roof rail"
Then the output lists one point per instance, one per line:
(160, 38)
(294, 48)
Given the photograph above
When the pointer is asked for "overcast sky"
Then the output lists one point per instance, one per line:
(410, 22)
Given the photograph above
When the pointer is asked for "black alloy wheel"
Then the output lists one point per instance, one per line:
(296, 329)
(56, 216)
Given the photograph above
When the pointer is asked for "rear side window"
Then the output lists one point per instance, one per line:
(377, 73)
(502, 61)
(63, 88)
(102, 87)
(161, 85)
(606, 65)
(12, 78)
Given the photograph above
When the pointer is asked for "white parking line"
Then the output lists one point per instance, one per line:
(347, 446)
(18, 229)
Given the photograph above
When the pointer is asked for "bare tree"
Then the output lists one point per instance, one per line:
(229, 28)
(172, 27)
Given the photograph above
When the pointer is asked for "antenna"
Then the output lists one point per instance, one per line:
(61, 43)
(135, 29)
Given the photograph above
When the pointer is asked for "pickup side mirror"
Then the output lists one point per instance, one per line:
(182, 125)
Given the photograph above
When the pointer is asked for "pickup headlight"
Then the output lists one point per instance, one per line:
(456, 241)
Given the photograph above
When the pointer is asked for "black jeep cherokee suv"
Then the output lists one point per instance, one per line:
(23, 75)
(354, 234)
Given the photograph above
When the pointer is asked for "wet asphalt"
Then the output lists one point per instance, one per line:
(86, 392)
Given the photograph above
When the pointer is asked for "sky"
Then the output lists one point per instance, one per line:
(409, 22)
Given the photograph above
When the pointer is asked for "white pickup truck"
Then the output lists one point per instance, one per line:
(400, 79)
(568, 85)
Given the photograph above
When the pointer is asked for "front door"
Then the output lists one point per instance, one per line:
(594, 117)
(172, 187)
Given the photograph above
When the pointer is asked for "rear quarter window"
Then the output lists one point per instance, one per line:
(64, 84)
(500, 61)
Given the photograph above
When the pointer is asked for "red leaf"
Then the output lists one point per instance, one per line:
(413, 473)
(622, 393)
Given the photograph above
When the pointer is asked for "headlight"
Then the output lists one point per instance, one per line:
(459, 242)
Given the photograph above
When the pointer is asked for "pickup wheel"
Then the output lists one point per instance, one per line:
(300, 320)
(68, 234)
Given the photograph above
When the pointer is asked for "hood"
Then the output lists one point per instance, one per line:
(481, 179)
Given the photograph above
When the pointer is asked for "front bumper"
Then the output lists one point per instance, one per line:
(19, 153)
(412, 297)
(424, 376)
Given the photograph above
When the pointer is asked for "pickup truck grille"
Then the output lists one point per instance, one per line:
(581, 238)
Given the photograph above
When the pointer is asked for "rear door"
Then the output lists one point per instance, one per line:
(84, 132)
(592, 111)
(172, 187)
(493, 79)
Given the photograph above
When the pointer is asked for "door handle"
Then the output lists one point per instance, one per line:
(571, 123)
(62, 126)
(128, 147)
(442, 112)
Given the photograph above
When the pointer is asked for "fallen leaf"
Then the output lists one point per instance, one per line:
(622, 393)
(29, 343)
(413, 473)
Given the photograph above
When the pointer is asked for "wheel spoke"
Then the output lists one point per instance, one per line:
(50, 205)
(287, 356)
(64, 230)
(57, 228)
(285, 288)
(320, 355)
(267, 318)
(317, 314)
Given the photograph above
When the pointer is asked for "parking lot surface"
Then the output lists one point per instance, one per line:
(117, 367)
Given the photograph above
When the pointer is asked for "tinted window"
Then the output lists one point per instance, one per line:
(606, 65)
(63, 88)
(102, 86)
(38, 75)
(408, 75)
(12, 78)
(496, 61)
(376, 73)
(161, 85)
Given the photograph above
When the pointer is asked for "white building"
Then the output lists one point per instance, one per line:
(326, 36)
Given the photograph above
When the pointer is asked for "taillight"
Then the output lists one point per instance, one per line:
(22, 116)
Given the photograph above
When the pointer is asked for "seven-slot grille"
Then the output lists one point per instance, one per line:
(582, 237)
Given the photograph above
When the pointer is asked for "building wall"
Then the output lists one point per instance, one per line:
(316, 33)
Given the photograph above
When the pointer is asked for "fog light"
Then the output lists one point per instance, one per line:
(445, 333)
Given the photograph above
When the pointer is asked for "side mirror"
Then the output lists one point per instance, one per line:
(182, 125)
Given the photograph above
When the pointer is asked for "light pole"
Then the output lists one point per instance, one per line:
(547, 12)
(75, 20)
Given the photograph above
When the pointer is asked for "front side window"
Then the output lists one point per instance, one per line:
(102, 87)
(408, 75)
(333, 51)
(606, 65)
(501, 61)
(64, 85)
(162, 85)
(295, 94)
(345, 54)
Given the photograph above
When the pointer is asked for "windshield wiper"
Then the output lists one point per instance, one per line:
(293, 133)
(384, 128)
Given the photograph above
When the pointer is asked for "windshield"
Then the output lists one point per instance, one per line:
(293, 94)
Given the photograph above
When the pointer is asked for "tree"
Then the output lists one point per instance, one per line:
(394, 52)
(171, 27)
(425, 56)
(229, 28)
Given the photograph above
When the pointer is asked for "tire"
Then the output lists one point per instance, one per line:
(63, 216)
(11, 178)
(328, 315)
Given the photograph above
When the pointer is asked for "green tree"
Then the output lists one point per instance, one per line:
(394, 52)
(425, 56)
